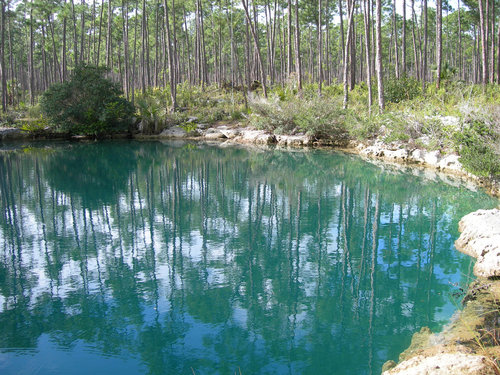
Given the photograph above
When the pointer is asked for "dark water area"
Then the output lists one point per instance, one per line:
(177, 258)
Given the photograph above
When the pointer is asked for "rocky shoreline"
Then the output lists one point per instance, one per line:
(397, 153)
(470, 344)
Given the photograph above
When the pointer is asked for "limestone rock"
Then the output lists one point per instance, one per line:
(400, 154)
(450, 163)
(257, 136)
(444, 364)
(374, 150)
(174, 132)
(214, 133)
(480, 238)
(11, 133)
(230, 133)
(293, 140)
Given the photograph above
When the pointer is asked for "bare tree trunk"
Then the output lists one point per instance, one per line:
(173, 93)
(289, 48)
(125, 46)
(109, 48)
(31, 68)
(2, 60)
(256, 44)
(484, 52)
(297, 46)
(439, 42)
(320, 47)
(347, 57)
(403, 42)
(82, 36)
(378, 56)
(395, 36)
(460, 65)
(366, 17)
(424, 58)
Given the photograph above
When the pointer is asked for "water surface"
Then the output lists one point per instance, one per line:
(175, 258)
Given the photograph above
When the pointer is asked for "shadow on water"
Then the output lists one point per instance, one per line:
(162, 258)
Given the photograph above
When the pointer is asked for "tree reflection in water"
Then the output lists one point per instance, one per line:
(187, 258)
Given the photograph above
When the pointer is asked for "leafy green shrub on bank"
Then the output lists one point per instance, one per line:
(478, 147)
(87, 104)
(397, 90)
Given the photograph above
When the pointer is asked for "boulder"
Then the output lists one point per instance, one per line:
(11, 133)
(293, 140)
(214, 133)
(450, 163)
(480, 238)
(174, 132)
(257, 136)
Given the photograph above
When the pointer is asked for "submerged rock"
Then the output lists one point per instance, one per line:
(480, 238)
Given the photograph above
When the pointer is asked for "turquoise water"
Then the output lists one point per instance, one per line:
(175, 258)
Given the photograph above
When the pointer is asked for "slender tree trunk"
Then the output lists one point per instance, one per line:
(171, 69)
(492, 47)
(64, 68)
(289, 39)
(415, 53)
(31, 68)
(97, 59)
(403, 42)
(342, 42)
(424, 58)
(347, 57)
(498, 55)
(256, 44)
(460, 65)
(439, 42)
(366, 17)
(395, 37)
(109, 42)
(378, 56)
(125, 47)
(320, 47)
(484, 43)
(297, 46)
(82, 36)
(75, 33)
(2, 59)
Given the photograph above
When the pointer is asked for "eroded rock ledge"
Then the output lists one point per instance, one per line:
(480, 238)
(470, 344)
(398, 153)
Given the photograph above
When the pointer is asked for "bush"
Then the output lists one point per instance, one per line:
(478, 149)
(87, 104)
(318, 117)
(397, 90)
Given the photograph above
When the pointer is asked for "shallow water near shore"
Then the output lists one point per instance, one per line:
(179, 258)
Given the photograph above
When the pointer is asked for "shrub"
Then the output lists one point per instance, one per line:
(317, 117)
(478, 148)
(397, 90)
(87, 104)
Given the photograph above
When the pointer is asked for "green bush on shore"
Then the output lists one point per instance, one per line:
(88, 104)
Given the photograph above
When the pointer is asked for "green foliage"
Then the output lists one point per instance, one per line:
(397, 90)
(35, 126)
(478, 146)
(152, 110)
(87, 104)
(317, 117)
